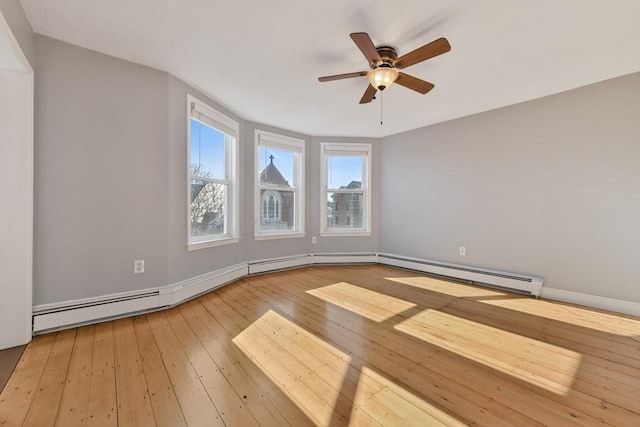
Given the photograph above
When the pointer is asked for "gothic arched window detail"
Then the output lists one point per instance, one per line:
(271, 206)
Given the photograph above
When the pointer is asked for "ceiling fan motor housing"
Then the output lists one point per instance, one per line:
(387, 54)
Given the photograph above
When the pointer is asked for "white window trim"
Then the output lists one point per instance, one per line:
(345, 149)
(280, 142)
(231, 128)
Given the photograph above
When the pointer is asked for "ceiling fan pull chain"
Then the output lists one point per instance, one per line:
(381, 99)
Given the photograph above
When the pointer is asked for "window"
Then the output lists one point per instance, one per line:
(212, 189)
(279, 194)
(346, 198)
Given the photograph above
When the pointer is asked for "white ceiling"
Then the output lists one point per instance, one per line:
(261, 59)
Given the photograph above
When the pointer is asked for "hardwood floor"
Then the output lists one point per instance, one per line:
(334, 346)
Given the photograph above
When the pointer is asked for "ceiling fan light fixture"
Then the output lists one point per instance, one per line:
(382, 77)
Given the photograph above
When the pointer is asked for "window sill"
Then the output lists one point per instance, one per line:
(278, 236)
(212, 243)
(346, 233)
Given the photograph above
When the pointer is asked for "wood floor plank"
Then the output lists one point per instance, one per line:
(102, 388)
(134, 405)
(581, 400)
(229, 403)
(337, 346)
(411, 375)
(74, 407)
(257, 402)
(197, 407)
(283, 410)
(166, 409)
(528, 405)
(46, 401)
(508, 307)
(371, 392)
(17, 395)
(310, 392)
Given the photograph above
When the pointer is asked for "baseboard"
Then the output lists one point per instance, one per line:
(594, 301)
(52, 317)
(502, 279)
(345, 258)
(68, 314)
(188, 289)
(72, 313)
(277, 264)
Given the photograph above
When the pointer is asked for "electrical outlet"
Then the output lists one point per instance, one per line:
(138, 266)
(463, 250)
(314, 240)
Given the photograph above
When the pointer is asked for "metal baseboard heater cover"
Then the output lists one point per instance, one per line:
(92, 310)
(66, 314)
(285, 263)
(278, 264)
(345, 258)
(511, 281)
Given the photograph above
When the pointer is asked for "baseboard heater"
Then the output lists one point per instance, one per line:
(345, 258)
(279, 264)
(54, 317)
(512, 281)
(67, 314)
(287, 263)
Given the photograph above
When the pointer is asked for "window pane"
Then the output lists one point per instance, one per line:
(345, 171)
(276, 167)
(277, 210)
(345, 210)
(207, 208)
(207, 151)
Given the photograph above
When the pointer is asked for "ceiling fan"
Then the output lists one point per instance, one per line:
(385, 63)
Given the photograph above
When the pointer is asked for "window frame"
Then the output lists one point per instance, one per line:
(328, 149)
(231, 130)
(285, 143)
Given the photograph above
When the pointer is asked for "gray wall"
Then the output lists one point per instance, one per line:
(100, 173)
(111, 180)
(20, 27)
(549, 187)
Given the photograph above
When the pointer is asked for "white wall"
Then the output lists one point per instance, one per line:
(16, 191)
(549, 187)
(20, 27)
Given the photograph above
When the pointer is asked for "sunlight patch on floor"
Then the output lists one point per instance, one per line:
(393, 405)
(367, 303)
(585, 317)
(582, 317)
(541, 364)
(281, 349)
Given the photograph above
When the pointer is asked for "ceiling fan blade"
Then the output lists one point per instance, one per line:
(368, 95)
(414, 83)
(342, 76)
(366, 46)
(435, 48)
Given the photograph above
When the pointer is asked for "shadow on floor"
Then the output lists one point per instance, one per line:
(8, 360)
